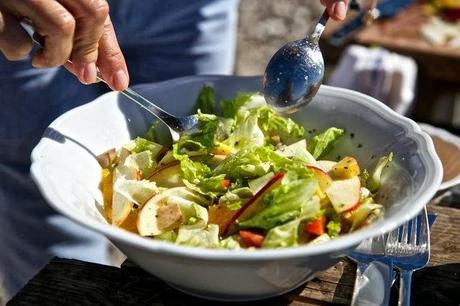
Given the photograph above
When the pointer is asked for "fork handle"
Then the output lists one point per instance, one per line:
(405, 287)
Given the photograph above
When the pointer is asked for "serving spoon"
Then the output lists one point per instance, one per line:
(294, 74)
(176, 125)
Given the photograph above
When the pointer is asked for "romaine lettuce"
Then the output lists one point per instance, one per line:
(284, 203)
(206, 100)
(322, 143)
(281, 236)
(198, 237)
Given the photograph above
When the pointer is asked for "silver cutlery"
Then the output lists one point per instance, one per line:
(409, 249)
(176, 125)
(295, 72)
(373, 271)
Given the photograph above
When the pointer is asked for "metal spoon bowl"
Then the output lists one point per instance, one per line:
(295, 72)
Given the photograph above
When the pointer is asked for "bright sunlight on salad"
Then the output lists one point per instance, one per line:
(245, 179)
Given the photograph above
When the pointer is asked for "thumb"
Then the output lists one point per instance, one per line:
(15, 43)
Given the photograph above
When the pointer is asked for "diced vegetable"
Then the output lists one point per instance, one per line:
(346, 168)
(251, 239)
(316, 227)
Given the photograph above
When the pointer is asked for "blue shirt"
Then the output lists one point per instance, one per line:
(160, 40)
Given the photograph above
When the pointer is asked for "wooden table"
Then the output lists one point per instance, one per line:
(439, 67)
(72, 282)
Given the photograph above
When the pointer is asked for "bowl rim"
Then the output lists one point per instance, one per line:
(419, 200)
(447, 137)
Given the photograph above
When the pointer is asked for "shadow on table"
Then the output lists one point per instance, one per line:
(438, 285)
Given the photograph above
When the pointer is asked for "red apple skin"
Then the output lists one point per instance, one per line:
(324, 180)
(251, 206)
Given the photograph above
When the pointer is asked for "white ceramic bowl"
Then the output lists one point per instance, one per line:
(68, 176)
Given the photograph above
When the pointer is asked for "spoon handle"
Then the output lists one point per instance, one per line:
(319, 28)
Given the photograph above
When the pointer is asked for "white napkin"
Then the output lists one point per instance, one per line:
(384, 75)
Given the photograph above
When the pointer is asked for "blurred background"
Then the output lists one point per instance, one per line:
(408, 58)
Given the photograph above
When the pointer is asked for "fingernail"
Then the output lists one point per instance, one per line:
(340, 10)
(89, 73)
(120, 80)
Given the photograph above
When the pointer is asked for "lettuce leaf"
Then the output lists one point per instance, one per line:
(373, 182)
(246, 133)
(198, 237)
(192, 171)
(137, 192)
(249, 163)
(298, 150)
(231, 107)
(210, 186)
(230, 243)
(272, 123)
(142, 161)
(234, 199)
(170, 236)
(281, 236)
(286, 202)
(206, 100)
(322, 143)
(141, 144)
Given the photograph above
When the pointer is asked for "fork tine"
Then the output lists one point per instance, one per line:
(424, 235)
(404, 234)
(393, 237)
(413, 231)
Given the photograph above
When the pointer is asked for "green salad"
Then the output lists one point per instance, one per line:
(246, 178)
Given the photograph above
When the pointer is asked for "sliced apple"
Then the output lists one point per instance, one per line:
(147, 217)
(106, 159)
(121, 207)
(253, 204)
(326, 165)
(346, 168)
(257, 184)
(324, 180)
(344, 194)
(168, 176)
(159, 207)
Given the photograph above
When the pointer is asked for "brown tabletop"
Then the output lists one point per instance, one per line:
(439, 66)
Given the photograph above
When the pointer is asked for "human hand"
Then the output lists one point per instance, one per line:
(337, 9)
(79, 30)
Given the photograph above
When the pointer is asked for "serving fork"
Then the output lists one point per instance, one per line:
(408, 247)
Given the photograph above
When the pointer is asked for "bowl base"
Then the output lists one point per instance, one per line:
(229, 297)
